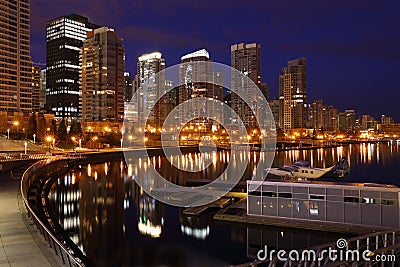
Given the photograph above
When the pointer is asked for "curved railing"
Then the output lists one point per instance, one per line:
(28, 178)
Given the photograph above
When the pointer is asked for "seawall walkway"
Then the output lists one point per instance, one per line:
(20, 242)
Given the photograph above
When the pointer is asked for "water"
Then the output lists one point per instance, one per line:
(115, 223)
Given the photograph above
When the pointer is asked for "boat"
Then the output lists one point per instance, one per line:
(302, 170)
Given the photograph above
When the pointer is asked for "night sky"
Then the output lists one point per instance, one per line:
(352, 46)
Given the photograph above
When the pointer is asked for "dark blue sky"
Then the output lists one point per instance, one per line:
(352, 46)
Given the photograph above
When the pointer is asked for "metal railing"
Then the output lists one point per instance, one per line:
(379, 243)
(66, 254)
(8, 157)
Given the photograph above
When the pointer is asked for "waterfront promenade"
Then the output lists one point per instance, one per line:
(21, 244)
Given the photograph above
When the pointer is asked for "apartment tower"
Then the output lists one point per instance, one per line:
(16, 65)
(102, 76)
(64, 40)
(247, 60)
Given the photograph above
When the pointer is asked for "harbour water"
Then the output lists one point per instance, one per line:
(115, 223)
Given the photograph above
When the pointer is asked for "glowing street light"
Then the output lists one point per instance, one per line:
(130, 137)
(16, 124)
(48, 140)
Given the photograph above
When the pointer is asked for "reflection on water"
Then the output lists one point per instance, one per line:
(115, 223)
(368, 162)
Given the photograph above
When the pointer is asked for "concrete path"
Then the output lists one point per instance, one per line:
(21, 244)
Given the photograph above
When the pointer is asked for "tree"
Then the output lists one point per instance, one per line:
(53, 127)
(76, 128)
(62, 131)
(32, 125)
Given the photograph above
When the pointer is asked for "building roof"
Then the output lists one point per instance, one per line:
(198, 53)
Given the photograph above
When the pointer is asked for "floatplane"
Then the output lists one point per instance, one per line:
(301, 170)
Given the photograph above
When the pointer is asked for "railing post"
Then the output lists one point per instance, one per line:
(385, 241)
(48, 239)
(394, 238)
(54, 245)
(69, 261)
(61, 253)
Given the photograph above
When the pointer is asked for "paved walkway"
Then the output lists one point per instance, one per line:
(21, 244)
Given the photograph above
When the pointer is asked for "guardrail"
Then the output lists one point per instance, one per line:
(28, 178)
(21, 156)
(379, 243)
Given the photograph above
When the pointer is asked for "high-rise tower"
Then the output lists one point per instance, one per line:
(198, 79)
(64, 36)
(293, 94)
(16, 65)
(246, 59)
(149, 77)
(102, 76)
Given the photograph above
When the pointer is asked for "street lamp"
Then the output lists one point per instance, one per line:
(48, 140)
(130, 137)
(16, 124)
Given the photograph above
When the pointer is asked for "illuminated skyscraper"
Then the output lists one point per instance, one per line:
(128, 87)
(42, 94)
(152, 81)
(16, 65)
(329, 118)
(247, 60)
(64, 36)
(292, 94)
(347, 120)
(315, 115)
(36, 88)
(198, 79)
(102, 76)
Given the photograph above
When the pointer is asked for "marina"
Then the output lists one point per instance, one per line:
(218, 224)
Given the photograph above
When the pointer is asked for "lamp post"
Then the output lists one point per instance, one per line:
(48, 140)
(130, 137)
(16, 124)
(34, 138)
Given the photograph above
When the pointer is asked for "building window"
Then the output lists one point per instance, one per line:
(285, 195)
(317, 197)
(352, 199)
(269, 194)
(390, 202)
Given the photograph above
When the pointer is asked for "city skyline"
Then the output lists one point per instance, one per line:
(354, 44)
